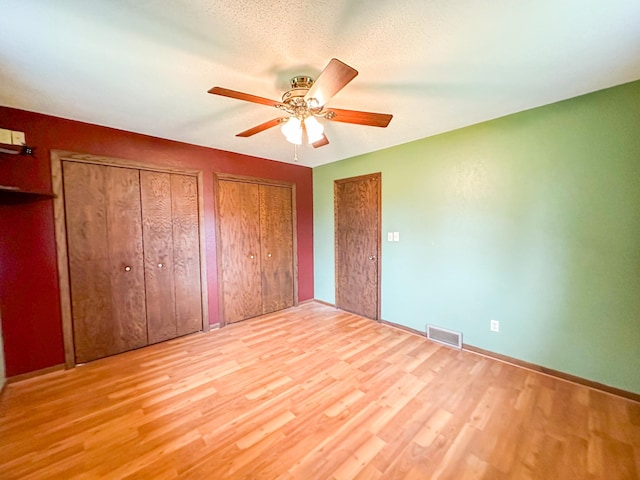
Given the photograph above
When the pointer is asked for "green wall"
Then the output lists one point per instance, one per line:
(532, 219)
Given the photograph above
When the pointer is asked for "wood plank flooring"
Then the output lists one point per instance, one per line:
(312, 393)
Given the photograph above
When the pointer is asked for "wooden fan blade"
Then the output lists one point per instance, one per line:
(262, 127)
(331, 80)
(225, 92)
(321, 143)
(361, 118)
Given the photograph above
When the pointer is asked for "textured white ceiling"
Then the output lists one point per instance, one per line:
(436, 65)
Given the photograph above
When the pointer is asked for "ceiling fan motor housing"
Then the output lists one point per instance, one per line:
(301, 81)
(300, 85)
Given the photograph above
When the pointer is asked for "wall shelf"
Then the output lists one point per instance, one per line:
(12, 195)
(15, 149)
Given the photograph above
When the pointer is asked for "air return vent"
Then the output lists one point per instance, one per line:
(442, 335)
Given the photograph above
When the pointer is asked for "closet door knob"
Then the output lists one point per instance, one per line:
(269, 255)
(127, 268)
(160, 265)
(251, 256)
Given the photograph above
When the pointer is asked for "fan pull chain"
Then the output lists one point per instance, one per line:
(295, 153)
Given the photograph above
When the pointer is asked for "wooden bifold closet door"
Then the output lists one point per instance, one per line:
(104, 238)
(171, 254)
(256, 248)
(134, 257)
(239, 217)
(276, 245)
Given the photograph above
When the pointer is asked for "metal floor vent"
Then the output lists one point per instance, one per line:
(444, 336)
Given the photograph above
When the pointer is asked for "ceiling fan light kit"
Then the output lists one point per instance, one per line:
(305, 103)
(292, 130)
(314, 129)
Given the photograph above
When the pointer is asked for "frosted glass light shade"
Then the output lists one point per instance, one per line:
(314, 129)
(292, 130)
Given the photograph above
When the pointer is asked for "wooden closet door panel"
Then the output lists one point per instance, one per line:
(88, 251)
(124, 220)
(276, 233)
(239, 218)
(157, 234)
(186, 253)
(103, 324)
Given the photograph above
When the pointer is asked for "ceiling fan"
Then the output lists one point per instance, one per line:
(305, 102)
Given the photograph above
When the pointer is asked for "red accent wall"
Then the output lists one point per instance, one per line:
(29, 295)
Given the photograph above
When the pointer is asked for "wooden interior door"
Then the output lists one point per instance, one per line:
(357, 244)
(276, 238)
(186, 253)
(104, 238)
(155, 194)
(240, 252)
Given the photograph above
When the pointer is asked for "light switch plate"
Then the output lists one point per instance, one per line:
(17, 138)
(390, 236)
(396, 236)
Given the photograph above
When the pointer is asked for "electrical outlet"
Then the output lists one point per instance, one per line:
(495, 326)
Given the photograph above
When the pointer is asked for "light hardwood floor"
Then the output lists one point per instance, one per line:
(312, 393)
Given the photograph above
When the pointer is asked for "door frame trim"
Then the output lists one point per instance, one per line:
(378, 176)
(217, 177)
(64, 285)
